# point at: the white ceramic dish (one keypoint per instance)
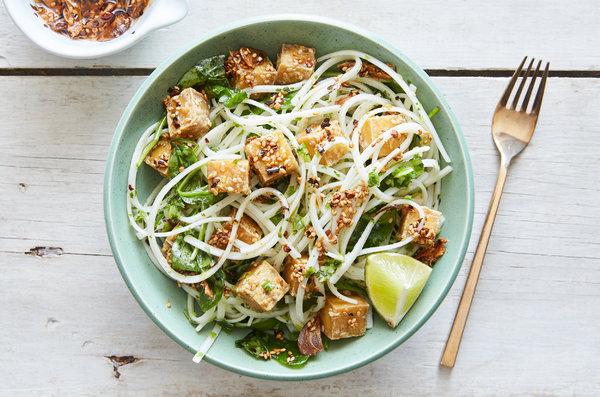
(158, 14)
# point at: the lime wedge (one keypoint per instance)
(394, 282)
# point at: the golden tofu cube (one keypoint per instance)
(249, 67)
(316, 136)
(228, 176)
(261, 286)
(431, 226)
(377, 125)
(294, 63)
(341, 319)
(248, 230)
(271, 157)
(187, 114)
(293, 274)
(159, 156)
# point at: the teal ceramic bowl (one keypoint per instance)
(152, 290)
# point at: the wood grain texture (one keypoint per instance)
(533, 327)
(437, 34)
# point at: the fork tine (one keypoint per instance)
(537, 104)
(511, 84)
(522, 85)
(530, 88)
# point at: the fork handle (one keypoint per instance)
(453, 342)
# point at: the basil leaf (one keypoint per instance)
(207, 71)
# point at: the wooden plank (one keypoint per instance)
(436, 34)
(533, 327)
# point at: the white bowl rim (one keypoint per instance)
(89, 49)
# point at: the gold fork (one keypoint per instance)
(512, 129)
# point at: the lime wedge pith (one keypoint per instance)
(394, 282)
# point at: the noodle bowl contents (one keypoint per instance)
(282, 183)
(99, 20)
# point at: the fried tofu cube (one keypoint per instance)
(367, 69)
(294, 63)
(375, 126)
(293, 274)
(431, 226)
(342, 319)
(228, 176)
(248, 232)
(316, 136)
(187, 114)
(261, 286)
(159, 156)
(249, 67)
(271, 157)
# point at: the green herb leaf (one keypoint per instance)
(297, 223)
(405, 173)
(380, 234)
(433, 112)
(230, 97)
(183, 155)
(185, 257)
(261, 345)
(345, 284)
(207, 71)
(302, 151)
(155, 139)
(268, 286)
(373, 179)
(234, 269)
(193, 190)
(209, 297)
(327, 269)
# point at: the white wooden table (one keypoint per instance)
(534, 327)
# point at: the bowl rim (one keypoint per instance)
(119, 130)
(85, 49)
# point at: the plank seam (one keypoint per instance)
(147, 71)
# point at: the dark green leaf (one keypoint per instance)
(183, 257)
(207, 71)
(230, 97)
(259, 344)
(209, 297)
(345, 284)
(193, 190)
(380, 234)
(183, 154)
(234, 269)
